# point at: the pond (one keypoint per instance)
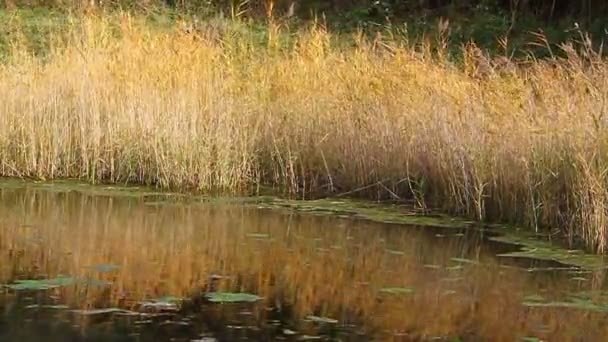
(98, 267)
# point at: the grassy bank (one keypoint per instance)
(217, 107)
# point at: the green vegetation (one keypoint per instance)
(53, 283)
(230, 297)
(587, 301)
(43, 284)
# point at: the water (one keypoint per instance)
(121, 269)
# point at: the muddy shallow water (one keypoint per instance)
(97, 268)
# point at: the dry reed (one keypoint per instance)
(203, 110)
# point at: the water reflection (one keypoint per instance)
(381, 282)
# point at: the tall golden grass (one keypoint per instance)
(208, 110)
(307, 265)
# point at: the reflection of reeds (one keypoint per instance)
(311, 265)
(115, 101)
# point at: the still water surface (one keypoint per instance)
(106, 268)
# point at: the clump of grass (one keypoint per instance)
(210, 108)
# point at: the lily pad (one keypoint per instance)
(42, 284)
(232, 297)
(47, 284)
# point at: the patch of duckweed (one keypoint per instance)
(232, 297)
(533, 247)
(65, 186)
(383, 213)
(580, 301)
(583, 305)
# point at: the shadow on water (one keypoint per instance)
(99, 268)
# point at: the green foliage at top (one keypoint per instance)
(494, 26)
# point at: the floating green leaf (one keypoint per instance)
(43, 284)
(231, 297)
(47, 284)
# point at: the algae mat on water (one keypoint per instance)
(359, 209)
(533, 247)
(65, 186)
(530, 246)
